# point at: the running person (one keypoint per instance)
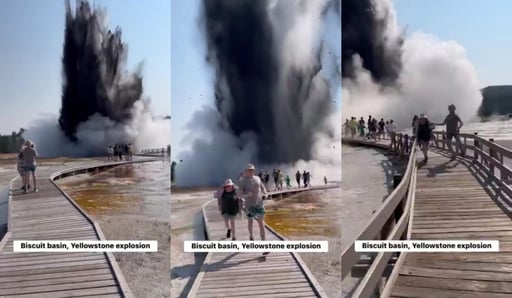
(288, 182)
(297, 178)
(453, 126)
(253, 191)
(229, 206)
(424, 133)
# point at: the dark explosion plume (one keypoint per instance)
(254, 92)
(94, 78)
(364, 34)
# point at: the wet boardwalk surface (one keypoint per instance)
(49, 215)
(251, 274)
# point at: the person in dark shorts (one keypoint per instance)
(453, 126)
(423, 134)
(229, 206)
(382, 131)
(297, 178)
(29, 164)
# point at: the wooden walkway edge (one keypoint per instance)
(467, 198)
(250, 274)
(51, 214)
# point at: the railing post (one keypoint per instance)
(476, 145)
(444, 140)
(492, 154)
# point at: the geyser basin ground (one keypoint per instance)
(131, 202)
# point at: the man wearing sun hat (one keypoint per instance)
(253, 190)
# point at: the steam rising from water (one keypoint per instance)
(102, 103)
(421, 75)
(276, 73)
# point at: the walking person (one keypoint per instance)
(280, 180)
(382, 126)
(297, 178)
(361, 127)
(253, 191)
(130, 151)
(453, 126)
(346, 127)
(304, 178)
(275, 175)
(288, 182)
(424, 133)
(229, 206)
(116, 154)
(325, 180)
(110, 153)
(414, 124)
(29, 164)
(21, 170)
(353, 127)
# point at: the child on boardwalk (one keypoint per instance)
(288, 182)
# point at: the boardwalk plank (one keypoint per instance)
(249, 274)
(48, 215)
(449, 207)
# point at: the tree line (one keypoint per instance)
(12, 143)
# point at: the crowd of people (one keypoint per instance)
(27, 165)
(422, 130)
(116, 152)
(371, 129)
(248, 197)
(279, 178)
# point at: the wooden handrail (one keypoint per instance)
(384, 223)
(487, 155)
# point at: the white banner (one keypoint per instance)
(85, 246)
(428, 246)
(256, 246)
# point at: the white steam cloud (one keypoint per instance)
(434, 74)
(143, 131)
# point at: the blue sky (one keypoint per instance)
(481, 27)
(192, 78)
(31, 38)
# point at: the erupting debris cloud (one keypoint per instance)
(392, 76)
(275, 81)
(102, 103)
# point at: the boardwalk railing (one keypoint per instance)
(393, 220)
(486, 155)
(390, 222)
(153, 151)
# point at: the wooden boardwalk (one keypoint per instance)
(251, 274)
(451, 200)
(49, 215)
